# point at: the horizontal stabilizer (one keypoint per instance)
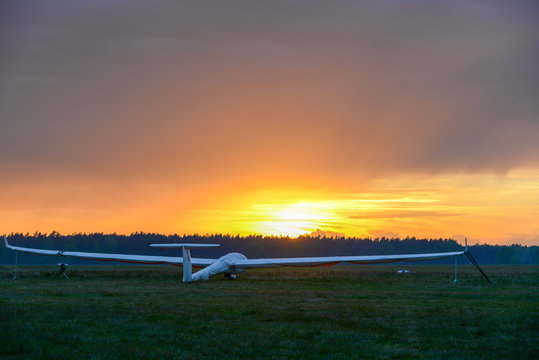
(187, 246)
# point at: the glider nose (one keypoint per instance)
(224, 264)
(215, 268)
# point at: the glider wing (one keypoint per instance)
(334, 260)
(127, 258)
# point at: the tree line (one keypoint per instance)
(255, 246)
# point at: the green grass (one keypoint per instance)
(341, 312)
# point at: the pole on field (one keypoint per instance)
(455, 281)
(15, 276)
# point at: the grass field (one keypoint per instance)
(119, 312)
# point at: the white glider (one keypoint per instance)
(232, 264)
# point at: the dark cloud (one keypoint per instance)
(187, 92)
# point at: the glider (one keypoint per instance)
(232, 264)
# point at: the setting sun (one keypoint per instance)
(292, 219)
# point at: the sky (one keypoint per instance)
(358, 118)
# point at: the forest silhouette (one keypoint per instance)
(258, 246)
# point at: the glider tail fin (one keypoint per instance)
(186, 254)
(187, 265)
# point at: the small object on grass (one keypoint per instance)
(403, 271)
(63, 269)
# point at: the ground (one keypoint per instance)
(344, 312)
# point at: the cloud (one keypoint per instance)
(353, 88)
(325, 233)
(525, 240)
(400, 214)
(385, 234)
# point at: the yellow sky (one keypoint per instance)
(501, 208)
(486, 208)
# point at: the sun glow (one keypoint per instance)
(293, 219)
(301, 211)
(484, 208)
